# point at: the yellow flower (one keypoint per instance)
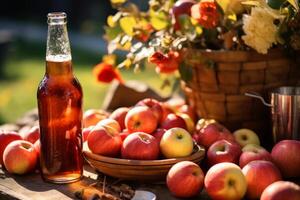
(259, 29)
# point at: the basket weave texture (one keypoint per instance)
(217, 89)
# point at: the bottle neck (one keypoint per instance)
(58, 53)
(59, 68)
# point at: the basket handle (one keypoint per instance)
(255, 95)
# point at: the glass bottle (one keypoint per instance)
(59, 99)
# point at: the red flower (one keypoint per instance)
(206, 13)
(105, 72)
(165, 63)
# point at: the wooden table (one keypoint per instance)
(32, 187)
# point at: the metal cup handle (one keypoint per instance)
(255, 95)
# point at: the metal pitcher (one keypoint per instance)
(285, 110)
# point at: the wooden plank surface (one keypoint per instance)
(32, 187)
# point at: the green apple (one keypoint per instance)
(246, 136)
(176, 142)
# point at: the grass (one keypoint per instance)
(25, 67)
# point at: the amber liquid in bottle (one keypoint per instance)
(59, 98)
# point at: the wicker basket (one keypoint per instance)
(220, 79)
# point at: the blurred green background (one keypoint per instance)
(25, 66)
(23, 33)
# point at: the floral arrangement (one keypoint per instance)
(168, 26)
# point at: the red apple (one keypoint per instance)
(102, 142)
(259, 175)
(252, 152)
(37, 147)
(85, 132)
(223, 151)
(195, 137)
(211, 133)
(186, 109)
(140, 146)
(176, 142)
(110, 125)
(225, 181)
(227, 136)
(154, 106)
(119, 115)
(165, 113)
(124, 134)
(286, 156)
(140, 119)
(92, 116)
(32, 135)
(185, 179)
(158, 133)
(281, 190)
(20, 157)
(6, 138)
(173, 121)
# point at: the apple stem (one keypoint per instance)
(244, 137)
(222, 148)
(179, 136)
(26, 146)
(195, 173)
(231, 182)
(137, 124)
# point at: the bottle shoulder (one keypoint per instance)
(50, 86)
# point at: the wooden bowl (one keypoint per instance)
(141, 170)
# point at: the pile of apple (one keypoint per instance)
(238, 166)
(150, 130)
(19, 151)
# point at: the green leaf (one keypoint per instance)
(112, 32)
(127, 24)
(187, 27)
(186, 72)
(159, 20)
(185, 22)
